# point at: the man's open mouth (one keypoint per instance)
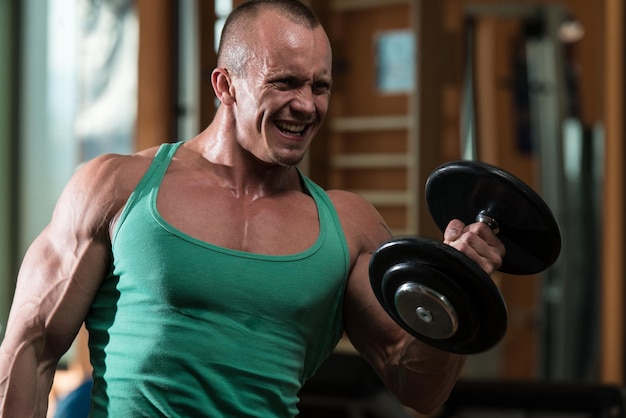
(290, 128)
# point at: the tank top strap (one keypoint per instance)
(328, 216)
(161, 161)
(150, 180)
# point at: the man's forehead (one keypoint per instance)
(277, 23)
(280, 38)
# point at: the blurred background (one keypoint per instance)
(533, 86)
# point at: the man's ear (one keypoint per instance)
(222, 86)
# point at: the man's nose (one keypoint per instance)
(304, 101)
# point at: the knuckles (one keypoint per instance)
(487, 254)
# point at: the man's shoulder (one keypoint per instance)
(109, 178)
(109, 170)
(347, 198)
(352, 205)
(363, 225)
(117, 167)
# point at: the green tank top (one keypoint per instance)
(183, 328)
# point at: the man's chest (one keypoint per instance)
(280, 224)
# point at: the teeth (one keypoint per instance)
(291, 127)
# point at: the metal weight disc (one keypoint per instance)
(425, 310)
(438, 294)
(454, 324)
(527, 227)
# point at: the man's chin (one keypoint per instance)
(288, 160)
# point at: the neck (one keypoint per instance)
(237, 169)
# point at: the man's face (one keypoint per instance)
(283, 97)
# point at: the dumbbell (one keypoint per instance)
(437, 293)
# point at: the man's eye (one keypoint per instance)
(283, 83)
(321, 88)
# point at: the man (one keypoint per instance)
(212, 276)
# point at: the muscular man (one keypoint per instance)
(213, 277)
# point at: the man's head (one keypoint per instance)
(274, 78)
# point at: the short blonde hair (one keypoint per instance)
(232, 52)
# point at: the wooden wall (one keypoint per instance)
(613, 73)
(601, 77)
(157, 62)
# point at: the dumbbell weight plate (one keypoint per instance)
(527, 227)
(410, 273)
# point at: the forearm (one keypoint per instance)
(420, 376)
(24, 383)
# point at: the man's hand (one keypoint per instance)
(478, 242)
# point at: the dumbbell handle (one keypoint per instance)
(485, 218)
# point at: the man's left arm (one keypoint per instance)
(419, 375)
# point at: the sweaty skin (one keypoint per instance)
(234, 185)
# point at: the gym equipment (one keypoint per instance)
(437, 293)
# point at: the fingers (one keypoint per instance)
(478, 242)
(453, 231)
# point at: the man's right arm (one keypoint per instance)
(60, 274)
